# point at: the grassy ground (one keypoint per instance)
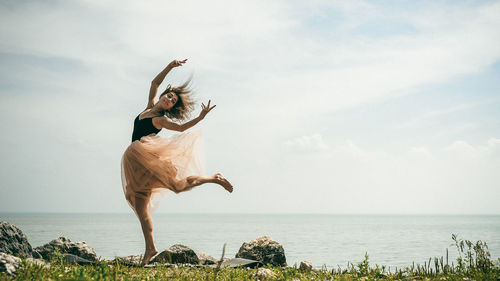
(474, 263)
(104, 271)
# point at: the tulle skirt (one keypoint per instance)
(154, 166)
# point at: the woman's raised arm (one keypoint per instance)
(168, 124)
(159, 79)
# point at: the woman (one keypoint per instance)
(152, 165)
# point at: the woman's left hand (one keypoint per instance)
(176, 63)
(205, 109)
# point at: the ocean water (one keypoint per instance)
(325, 240)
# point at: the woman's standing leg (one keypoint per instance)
(141, 207)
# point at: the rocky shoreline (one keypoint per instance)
(14, 246)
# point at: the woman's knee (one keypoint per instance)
(178, 186)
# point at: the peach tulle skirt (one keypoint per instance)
(154, 166)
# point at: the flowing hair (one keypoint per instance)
(185, 101)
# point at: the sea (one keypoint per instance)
(327, 241)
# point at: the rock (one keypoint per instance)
(36, 255)
(262, 274)
(305, 266)
(168, 265)
(65, 246)
(235, 262)
(205, 259)
(38, 262)
(130, 260)
(8, 263)
(13, 241)
(263, 249)
(177, 254)
(76, 259)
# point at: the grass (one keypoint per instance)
(474, 263)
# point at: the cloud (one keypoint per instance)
(267, 40)
(347, 178)
(462, 148)
(75, 74)
(433, 114)
(313, 142)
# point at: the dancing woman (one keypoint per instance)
(152, 164)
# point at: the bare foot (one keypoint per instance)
(148, 255)
(219, 179)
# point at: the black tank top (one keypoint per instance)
(143, 127)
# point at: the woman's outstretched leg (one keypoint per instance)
(192, 181)
(141, 207)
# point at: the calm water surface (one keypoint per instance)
(331, 240)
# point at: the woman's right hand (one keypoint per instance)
(205, 109)
(176, 63)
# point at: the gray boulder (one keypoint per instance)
(205, 259)
(177, 254)
(305, 266)
(132, 260)
(65, 246)
(13, 241)
(38, 262)
(262, 274)
(263, 249)
(9, 264)
(76, 259)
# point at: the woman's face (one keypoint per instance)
(168, 100)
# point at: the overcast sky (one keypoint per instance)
(344, 107)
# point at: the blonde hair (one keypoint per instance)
(185, 101)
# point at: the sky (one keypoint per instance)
(338, 107)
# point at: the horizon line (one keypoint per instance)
(249, 213)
